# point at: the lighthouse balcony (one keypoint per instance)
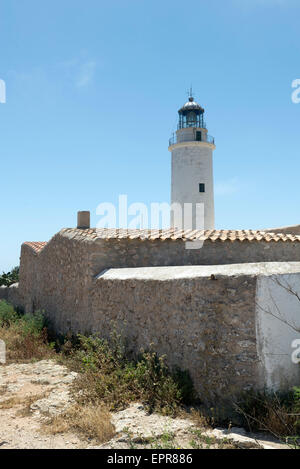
(196, 136)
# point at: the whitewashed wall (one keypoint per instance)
(192, 164)
(278, 325)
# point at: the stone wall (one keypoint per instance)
(202, 324)
(3, 293)
(11, 295)
(195, 306)
(232, 327)
(59, 278)
(29, 283)
(137, 253)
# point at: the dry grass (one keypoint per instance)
(25, 401)
(198, 417)
(28, 400)
(89, 421)
(273, 413)
(25, 336)
(11, 402)
(22, 348)
(3, 389)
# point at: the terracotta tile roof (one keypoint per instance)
(171, 234)
(37, 246)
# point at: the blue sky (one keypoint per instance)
(93, 90)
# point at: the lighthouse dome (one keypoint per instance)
(190, 105)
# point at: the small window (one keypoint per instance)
(199, 136)
(201, 187)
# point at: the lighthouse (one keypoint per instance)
(192, 187)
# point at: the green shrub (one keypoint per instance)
(7, 314)
(109, 376)
(296, 406)
(28, 323)
(25, 336)
(33, 323)
(277, 413)
(9, 278)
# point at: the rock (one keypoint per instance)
(245, 440)
(57, 402)
(142, 426)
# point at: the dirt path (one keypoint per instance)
(28, 392)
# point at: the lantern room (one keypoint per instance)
(191, 115)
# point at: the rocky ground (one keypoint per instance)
(30, 394)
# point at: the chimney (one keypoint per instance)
(83, 220)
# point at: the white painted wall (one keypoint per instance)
(277, 326)
(192, 164)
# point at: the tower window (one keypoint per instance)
(199, 136)
(201, 187)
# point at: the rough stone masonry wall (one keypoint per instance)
(56, 281)
(104, 254)
(232, 327)
(11, 294)
(201, 325)
(28, 279)
(59, 279)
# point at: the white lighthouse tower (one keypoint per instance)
(192, 170)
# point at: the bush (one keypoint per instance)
(7, 314)
(109, 376)
(28, 323)
(9, 278)
(25, 336)
(276, 413)
(33, 324)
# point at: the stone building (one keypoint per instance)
(218, 311)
